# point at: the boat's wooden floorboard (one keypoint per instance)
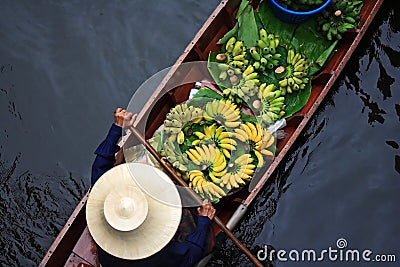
(85, 251)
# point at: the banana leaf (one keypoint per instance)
(232, 32)
(248, 30)
(247, 118)
(203, 96)
(323, 58)
(205, 92)
(296, 100)
(243, 5)
(246, 26)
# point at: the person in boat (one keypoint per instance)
(190, 242)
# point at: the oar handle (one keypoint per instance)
(183, 183)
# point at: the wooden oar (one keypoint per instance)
(182, 182)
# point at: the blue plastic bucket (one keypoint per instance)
(294, 17)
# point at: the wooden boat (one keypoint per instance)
(74, 244)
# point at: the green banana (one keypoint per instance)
(339, 17)
(291, 76)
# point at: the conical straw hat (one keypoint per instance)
(131, 219)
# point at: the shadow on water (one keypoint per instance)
(341, 179)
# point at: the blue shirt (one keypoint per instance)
(176, 254)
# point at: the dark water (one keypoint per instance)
(66, 65)
(342, 179)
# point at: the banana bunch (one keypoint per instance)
(293, 77)
(205, 188)
(339, 17)
(245, 88)
(264, 54)
(302, 5)
(217, 136)
(174, 156)
(233, 59)
(178, 118)
(223, 112)
(228, 75)
(238, 172)
(257, 139)
(270, 104)
(211, 162)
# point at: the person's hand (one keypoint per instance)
(206, 209)
(124, 119)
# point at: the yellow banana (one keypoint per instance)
(237, 49)
(232, 181)
(192, 157)
(239, 180)
(215, 179)
(228, 146)
(232, 124)
(199, 135)
(253, 130)
(181, 137)
(219, 169)
(226, 153)
(259, 158)
(195, 153)
(196, 142)
(206, 153)
(196, 180)
(224, 135)
(241, 135)
(267, 152)
(218, 132)
(249, 70)
(228, 141)
(219, 190)
(259, 133)
(248, 131)
(270, 141)
(243, 159)
(232, 116)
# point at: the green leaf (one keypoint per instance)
(247, 118)
(205, 92)
(243, 5)
(229, 34)
(296, 100)
(323, 58)
(248, 31)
